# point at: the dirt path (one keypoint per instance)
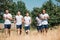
(51, 35)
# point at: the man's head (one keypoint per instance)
(38, 15)
(18, 13)
(27, 14)
(43, 11)
(7, 11)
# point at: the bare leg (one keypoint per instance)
(43, 31)
(19, 31)
(46, 30)
(40, 31)
(27, 31)
(9, 31)
(6, 31)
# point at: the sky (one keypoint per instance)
(30, 4)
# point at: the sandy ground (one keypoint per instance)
(33, 35)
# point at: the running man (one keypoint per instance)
(18, 21)
(7, 24)
(44, 16)
(27, 22)
(38, 19)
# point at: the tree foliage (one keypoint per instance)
(58, 0)
(52, 9)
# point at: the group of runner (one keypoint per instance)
(42, 22)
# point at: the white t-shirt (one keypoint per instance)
(27, 20)
(19, 19)
(7, 21)
(38, 21)
(45, 21)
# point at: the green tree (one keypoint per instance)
(21, 6)
(51, 9)
(4, 4)
(58, 0)
(34, 14)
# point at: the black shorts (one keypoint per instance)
(45, 26)
(8, 26)
(19, 26)
(39, 27)
(27, 28)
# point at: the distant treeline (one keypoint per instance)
(52, 9)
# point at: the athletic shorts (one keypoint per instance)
(39, 28)
(8, 26)
(27, 28)
(44, 26)
(19, 26)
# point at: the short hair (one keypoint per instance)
(6, 9)
(18, 11)
(42, 10)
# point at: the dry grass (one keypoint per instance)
(51, 35)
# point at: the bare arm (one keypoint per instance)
(48, 17)
(4, 18)
(14, 20)
(9, 18)
(22, 20)
(30, 21)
